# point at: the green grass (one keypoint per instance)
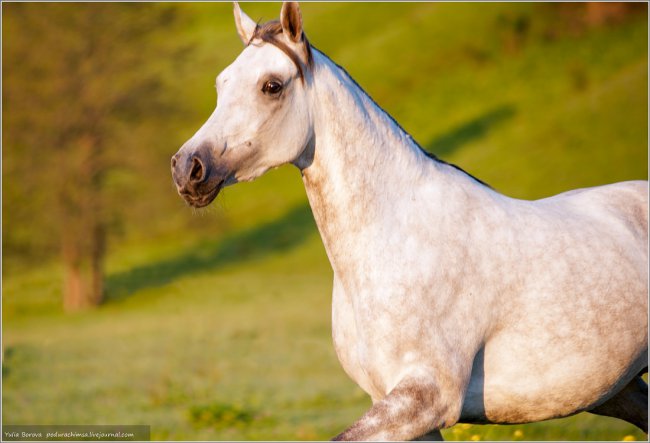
(227, 337)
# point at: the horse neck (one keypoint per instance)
(349, 125)
(361, 161)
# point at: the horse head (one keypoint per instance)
(262, 119)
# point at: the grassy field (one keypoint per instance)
(227, 337)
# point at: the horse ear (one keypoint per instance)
(245, 25)
(291, 20)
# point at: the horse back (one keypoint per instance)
(623, 205)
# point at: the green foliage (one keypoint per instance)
(221, 415)
(227, 310)
(88, 86)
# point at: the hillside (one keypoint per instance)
(223, 332)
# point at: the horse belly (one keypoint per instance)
(517, 382)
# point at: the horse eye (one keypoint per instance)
(272, 87)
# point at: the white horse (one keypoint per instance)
(451, 302)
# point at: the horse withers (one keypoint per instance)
(451, 302)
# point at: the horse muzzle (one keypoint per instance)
(196, 178)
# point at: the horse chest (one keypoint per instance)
(348, 343)
(374, 340)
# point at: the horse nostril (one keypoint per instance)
(198, 171)
(174, 160)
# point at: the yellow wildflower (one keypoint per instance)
(518, 433)
(629, 438)
(475, 437)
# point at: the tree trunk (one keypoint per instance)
(83, 234)
(84, 277)
(73, 291)
(97, 289)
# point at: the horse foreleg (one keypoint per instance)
(415, 408)
(630, 404)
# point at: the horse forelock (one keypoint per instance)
(269, 32)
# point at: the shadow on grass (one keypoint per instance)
(471, 130)
(278, 235)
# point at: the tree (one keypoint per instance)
(83, 85)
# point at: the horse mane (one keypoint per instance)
(428, 154)
(269, 32)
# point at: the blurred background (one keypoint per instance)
(122, 305)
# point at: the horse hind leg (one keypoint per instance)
(630, 404)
